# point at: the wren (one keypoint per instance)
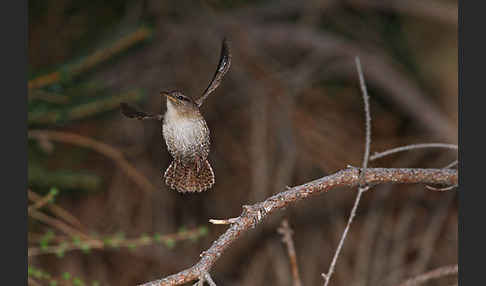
(186, 133)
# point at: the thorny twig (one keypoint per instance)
(254, 214)
(287, 233)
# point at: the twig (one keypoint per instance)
(32, 282)
(441, 189)
(205, 277)
(412, 147)
(39, 203)
(434, 274)
(115, 242)
(366, 100)
(57, 224)
(428, 244)
(223, 221)
(287, 233)
(208, 279)
(400, 229)
(58, 211)
(382, 71)
(362, 187)
(452, 164)
(253, 214)
(94, 59)
(102, 148)
(372, 222)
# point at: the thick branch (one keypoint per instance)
(254, 214)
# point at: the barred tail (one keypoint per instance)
(192, 177)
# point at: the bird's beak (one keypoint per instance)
(169, 96)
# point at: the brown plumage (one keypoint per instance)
(186, 133)
(186, 177)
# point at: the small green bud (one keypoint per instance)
(132, 246)
(77, 282)
(145, 238)
(170, 243)
(203, 230)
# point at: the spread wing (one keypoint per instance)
(132, 112)
(223, 67)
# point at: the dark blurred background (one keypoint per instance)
(289, 111)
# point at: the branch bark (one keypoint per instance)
(254, 214)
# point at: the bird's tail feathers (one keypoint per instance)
(189, 177)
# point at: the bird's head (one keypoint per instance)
(179, 102)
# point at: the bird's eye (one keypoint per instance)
(180, 97)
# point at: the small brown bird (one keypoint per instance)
(186, 133)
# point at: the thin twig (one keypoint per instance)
(94, 59)
(382, 71)
(223, 221)
(115, 242)
(102, 148)
(366, 100)
(32, 282)
(39, 203)
(372, 222)
(57, 224)
(400, 230)
(412, 147)
(58, 211)
(434, 274)
(254, 214)
(362, 187)
(441, 189)
(287, 233)
(428, 245)
(208, 279)
(452, 164)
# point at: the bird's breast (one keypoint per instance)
(186, 136)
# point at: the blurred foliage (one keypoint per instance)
(60, 97)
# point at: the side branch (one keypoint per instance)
(253, 214)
